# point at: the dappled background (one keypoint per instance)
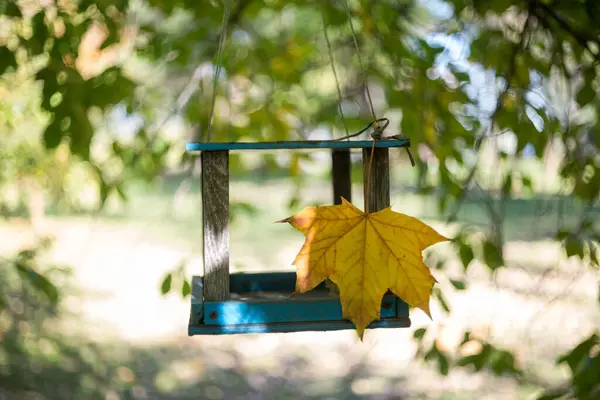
(102, 209)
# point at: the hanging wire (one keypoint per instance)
(378, 126)
(360, 62)
(337, 82)
(378, 129)
(218, 66)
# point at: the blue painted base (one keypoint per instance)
(263, 302)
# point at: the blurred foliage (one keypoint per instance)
(37, 360)
(479, 85)
(46, 352)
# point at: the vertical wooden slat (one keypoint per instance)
(341, 175)
(215, 216)
(379, 183)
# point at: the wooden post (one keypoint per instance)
(379, 182)
(215, 216)
(341, 175)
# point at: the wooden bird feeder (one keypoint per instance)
(224, 303)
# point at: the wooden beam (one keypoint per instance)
(215, 217)
(341, 175)
(378, 191)
(296, 145)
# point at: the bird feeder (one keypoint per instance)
(234, 303)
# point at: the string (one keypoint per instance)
(360, 62)
(378, 130)
(218, 67)
(375, 123)
(337, 82)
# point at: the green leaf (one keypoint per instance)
(104, 191)
(586, 381)
(109, 88)
(496, 6)
(574, 246)
(7, 59)
(40, 33)
(586, 95)
(81, 132)
(432, 353)
(51, 87)
(461, 76)
(113, 33)
(503, 362)
(47, 287)
(440, 297)
(419, 333)
(527, 183)
(492, 255)
(479, 360)
(594, 253)
(466, 255)
(576, 358)
(522, 70)
(186, 289)
(121, 191)
(11, 9)
(293, 202)
(53, 134)
(443, 363)
(38, 281)
(507, 185)
(165, 286)
(458, 284)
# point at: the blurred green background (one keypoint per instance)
(101, 228)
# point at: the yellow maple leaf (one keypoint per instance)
(365, 255)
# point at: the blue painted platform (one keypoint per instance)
(263, 303)
(296, 145)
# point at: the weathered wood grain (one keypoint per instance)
(215, 216)
(379, 182)
(341, 175)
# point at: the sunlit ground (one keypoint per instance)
(541, 306)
